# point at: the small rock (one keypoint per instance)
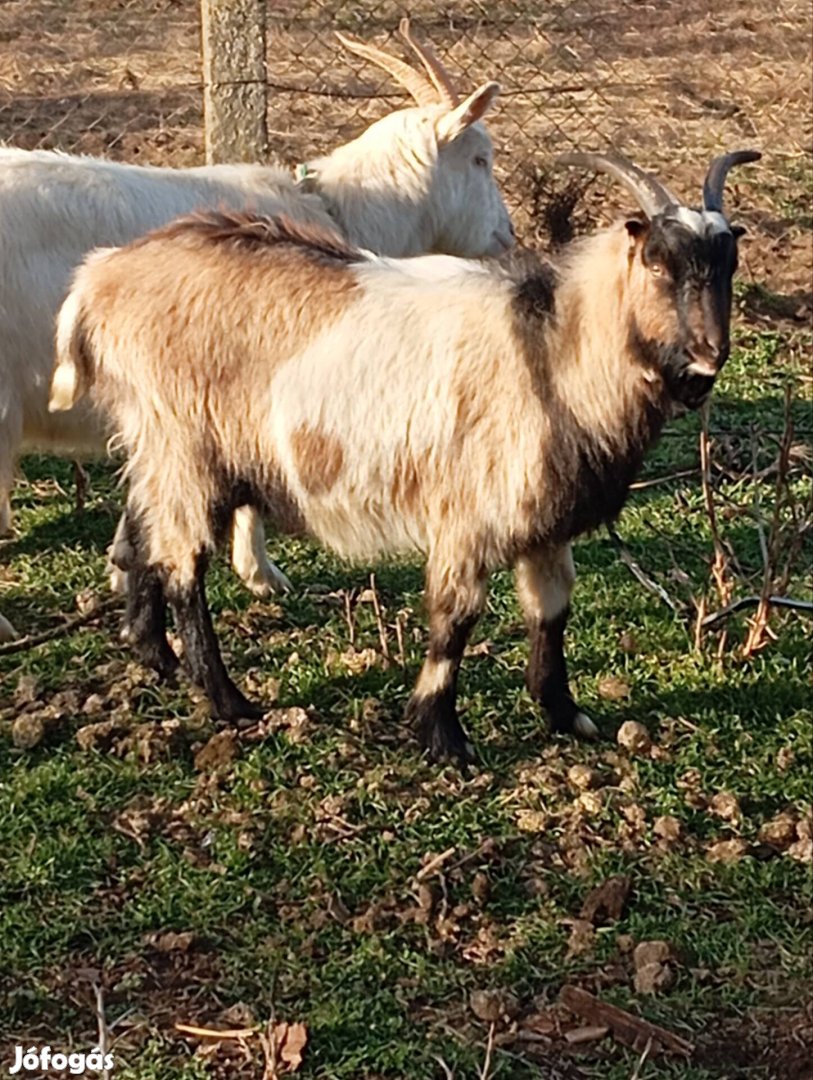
(653, 978)
(634, 737)
(582, 777)
(27, 731)
(668, 828)
(780, 831)
(612, 688)
(726, 851)
(491, 1006)
(724, 805)
(651, 952)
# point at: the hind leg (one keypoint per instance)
(545, 581)
(249, 558)
(145, 621)
(10, 438)
(201, 650)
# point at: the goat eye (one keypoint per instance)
(481, 161)
(657, 269)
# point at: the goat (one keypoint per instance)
(418, 180)
(386, 406)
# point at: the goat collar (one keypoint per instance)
(307, 178)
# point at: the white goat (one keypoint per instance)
(388, 406)
(418, 180)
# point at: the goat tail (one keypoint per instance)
(75, 370)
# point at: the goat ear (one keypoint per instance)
(636, 228)
(468, 112)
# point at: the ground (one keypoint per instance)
(285, 873)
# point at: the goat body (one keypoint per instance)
(383, 407)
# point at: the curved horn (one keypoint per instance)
(651, 195)
(418, 86)
(718, 170)
(440, 77)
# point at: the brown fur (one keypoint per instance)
(319, 458)
(252, 232)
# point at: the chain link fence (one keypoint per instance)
(669, 83)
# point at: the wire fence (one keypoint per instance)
(670, 83)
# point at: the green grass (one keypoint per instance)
(273, 862)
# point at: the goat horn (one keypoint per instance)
(718, 170)
(651, 195)
(440, 77)
(418, 86)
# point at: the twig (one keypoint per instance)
(719, 566)
(399, 637)
(213, 1033)
(348, 614)
(104, 1031)
(65, 628)
(683, 474)
(435, 864)
(805, 606)
(627, 558)
(642, 1061)
(758, 627)
(631, 1030)
(447, 1072)
(382, 632)
(486, 1070)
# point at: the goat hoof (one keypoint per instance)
(235, 709)
(439, 732)
(567, 719)
(152, 654)
(268, 580)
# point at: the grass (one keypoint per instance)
(293, 865)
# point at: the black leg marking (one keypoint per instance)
(202, 653)
(145, 620)
(433, 711)
(546, 676)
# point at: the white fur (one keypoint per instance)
(404, 187)
(702, 221)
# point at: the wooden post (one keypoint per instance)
(234, 80)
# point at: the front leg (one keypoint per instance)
(545, 580)
(432, 708)
(249, 558)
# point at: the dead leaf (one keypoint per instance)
(654, 978)
(491, 1006)
(582, 777)
(780, 831)
(606, 902)
(169, 941)
(651, 952)
(613, 688)
(582, 936)
(725, 805)
(27, 691)
(101, 736)
(219, 752)
(290, 1041)
(532, 820)
(668, 828)
(726, 851)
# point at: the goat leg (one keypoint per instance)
(202, 657)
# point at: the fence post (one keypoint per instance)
(234, 80)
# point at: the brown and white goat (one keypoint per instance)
(389, 406)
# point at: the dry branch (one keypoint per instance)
(626, 1028)
(628, 559)
(65, 628)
